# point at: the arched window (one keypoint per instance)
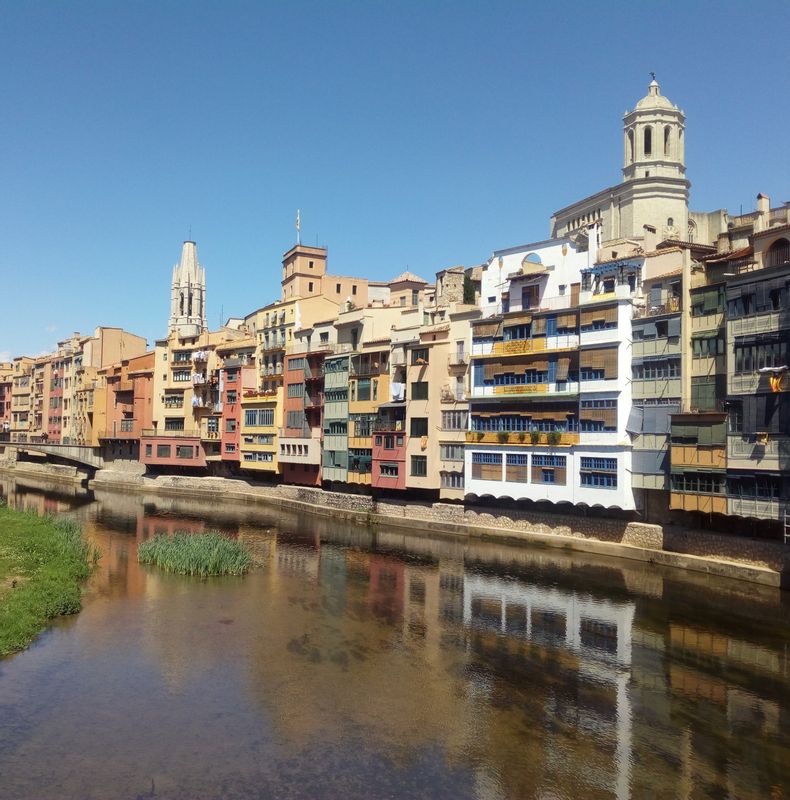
(189, 311)
(630, 147)
(182, 304)
(778, 253)
(667, 131)
(670, 222)
(648, 141)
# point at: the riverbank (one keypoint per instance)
(759, 561)
(43, 562)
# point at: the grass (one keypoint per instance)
(202, 554)
(43, 562)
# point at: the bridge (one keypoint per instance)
(75, 453)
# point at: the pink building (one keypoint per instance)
(389, 447)
(128, 403)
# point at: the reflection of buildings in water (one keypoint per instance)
(598, 634)
(298, 558)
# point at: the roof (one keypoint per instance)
(408, 277)
(731, 255)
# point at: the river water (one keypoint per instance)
(388, 664)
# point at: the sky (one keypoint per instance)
(411, 135)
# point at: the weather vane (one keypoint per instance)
(653, 75)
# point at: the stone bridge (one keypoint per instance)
(83, 455)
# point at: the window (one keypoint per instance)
(363, 389)
(148, 450)
(181, 376)
(667, 130)
(648, 141)
(257, 417)
(487, 466)
(295, 390)
(452, 480)
(231, 374)
(454, 420)
(419, 426)
(599, 473)
(451, 452)
(309, 286)
(184, 451)
(354, 289)
(163, 451)
(419, 466)
(337, 288)
(174, 423)
(181, 356)
(419, 356)
(360, 460)
(296, 363)
(419, 390)
(212, 424)
(231, 396)
(310, 264)
(230, 425)
(415, 297)
(388, 470)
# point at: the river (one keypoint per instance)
(360, 663)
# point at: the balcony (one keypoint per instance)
(529, 438)
(314, 401)
(760, 322)
(123, 429)
(758, 451)
(150, 433)
(199, 380)
(457, 359)
(759, 508)
(704, 456)
(238, 361)
(527, 390)
(211, 436)
(671, 306)
(388, 426)
(199, 356)
(692, 501)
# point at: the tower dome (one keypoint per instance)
(654, 138)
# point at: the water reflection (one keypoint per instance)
(368, 663)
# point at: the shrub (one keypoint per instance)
(203, 554)
(534, 436)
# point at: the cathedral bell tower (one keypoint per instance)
(188, 294)
(653, 133)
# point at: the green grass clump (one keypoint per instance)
(202, 554)
(43, 561)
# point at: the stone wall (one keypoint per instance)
(730, 556)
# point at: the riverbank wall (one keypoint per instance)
(742, 558)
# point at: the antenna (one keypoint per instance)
(221, 314)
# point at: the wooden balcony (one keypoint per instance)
(524, 438)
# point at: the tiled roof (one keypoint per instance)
(408, 276)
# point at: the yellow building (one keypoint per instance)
(261, 415)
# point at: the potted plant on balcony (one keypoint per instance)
(502, 436)
(554, 438)
(480, 435)
(521, 436)
(534, 436)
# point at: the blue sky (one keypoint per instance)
(411, 135)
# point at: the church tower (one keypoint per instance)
(653, 132)
(188, 294)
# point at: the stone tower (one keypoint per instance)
(188, 294)
(653, 132)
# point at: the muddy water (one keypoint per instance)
(378, 664)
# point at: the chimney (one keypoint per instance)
(763, 207)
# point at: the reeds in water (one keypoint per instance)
(203, 554)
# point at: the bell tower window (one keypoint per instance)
(630, 147)
(667, 131)
(648, 141)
